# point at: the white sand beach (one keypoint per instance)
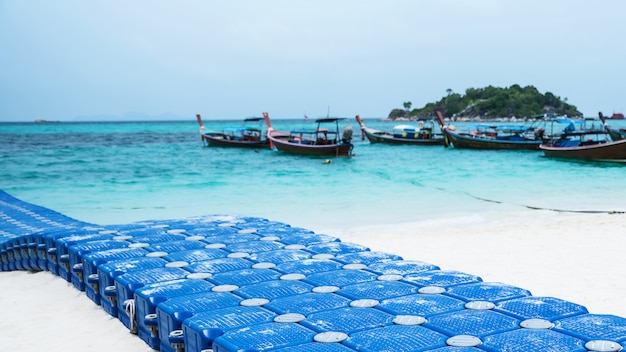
(577, 257)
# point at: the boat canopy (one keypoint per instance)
(239, 129)
(329, 119)
(234, 129)
(407, 128)
(304, 131)
(513, 128)
(506, 128)
(566, 120)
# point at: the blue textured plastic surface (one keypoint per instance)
(196, 254)
(229, 236)
(63, 243)
(336, 248)
(32, 253)
(245, 276)
(22, 218)
(57, 257)
(306, 238)
(340, 278)
(593, 327)
(401, 267)
(274, 289)
(148, 297)
(308, 266)
(396, 338)
(533, 307)
(308, 303)
(49, 239)
(219, 265)
(152, 236)
(23, 249)
(455, 349)
(316, 347)
(486, 291)
(91, 262)
(443, 278)
(348, 320)
(175, 246)
(525, 340)
(163, 275)
(377, 290)
(477, 323)
(267, 227)
(173, 312)
(202, 329)
(280, 256)
(108, 272)
(420, 304)
(254, 246)
(127, 284)
(367, 258)
(263, 337)
(76, 253)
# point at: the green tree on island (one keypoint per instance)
(492, 102)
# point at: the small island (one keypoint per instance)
(514, 103)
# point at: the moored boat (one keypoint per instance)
(321, 141)
(422, 134)
(248, 135)
(515, 137)
(585, 143)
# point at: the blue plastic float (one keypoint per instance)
(228, 284)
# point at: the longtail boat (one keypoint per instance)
(514, 137)
(585, 143)
(321, 140)
(422, 134)
(248, 135)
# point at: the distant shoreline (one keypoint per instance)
(471, 119)
(496, 119)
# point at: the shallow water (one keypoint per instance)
(109, 173)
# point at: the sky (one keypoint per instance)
(73, 59)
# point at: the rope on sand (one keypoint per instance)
(129, 307)
(551, 209)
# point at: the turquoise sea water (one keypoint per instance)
(111, 172)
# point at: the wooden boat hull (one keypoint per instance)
(282, 143)
(467, 141)
(376, 136)
(219, 140)
(610, 151)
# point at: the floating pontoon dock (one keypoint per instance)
(227, 284)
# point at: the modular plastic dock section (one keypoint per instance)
(228, 284)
